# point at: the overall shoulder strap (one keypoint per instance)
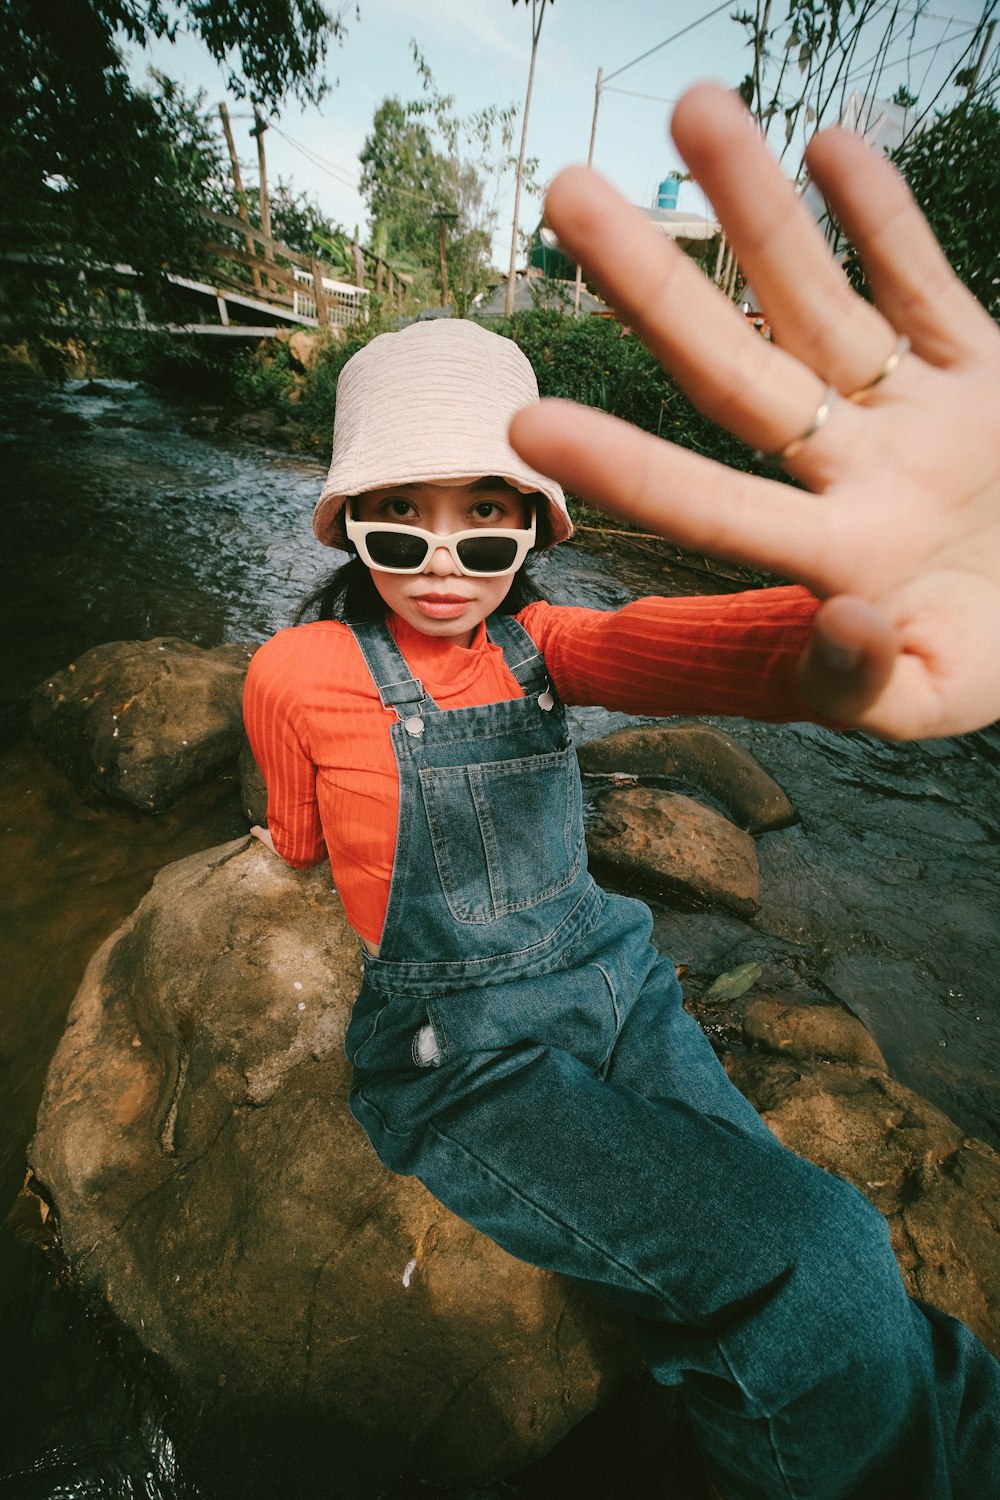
(398, 689)
(524, 660)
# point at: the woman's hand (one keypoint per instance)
(265, 836)
(901, 533)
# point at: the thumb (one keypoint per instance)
(849, 659)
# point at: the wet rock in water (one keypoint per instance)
(69, 422)
(254, 423)
(144, 722)
(702, 756)
(811, 1031)
(204, 424)
(209, 1182)
(834, 1103)
(96, 388)
(645, 840)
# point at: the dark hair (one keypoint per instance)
(349, 593)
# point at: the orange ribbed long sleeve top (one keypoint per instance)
(321, 736)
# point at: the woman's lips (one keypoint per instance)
(441, 606)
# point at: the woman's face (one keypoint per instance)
(441, 601)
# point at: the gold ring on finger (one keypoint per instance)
(820, 418)
(899, 350)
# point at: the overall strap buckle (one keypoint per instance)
(397, 689)
(406, 699)
(525, 662)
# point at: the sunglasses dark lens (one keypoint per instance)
(393, 549)
(488, 554)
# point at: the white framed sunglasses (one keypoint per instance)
(483, 552)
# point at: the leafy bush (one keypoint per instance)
(598, 363)
(953, 169)
(591, 360)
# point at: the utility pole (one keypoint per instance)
(970, 86)
(536, 31)
(442, 215)
(590, 163)
(265, 206)
(241, 197)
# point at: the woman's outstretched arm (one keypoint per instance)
(901, 534)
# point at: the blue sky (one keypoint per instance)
(479, 50)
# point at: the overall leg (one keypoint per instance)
(662, 1052)
(768, 1287)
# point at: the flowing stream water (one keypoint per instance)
(123, 518)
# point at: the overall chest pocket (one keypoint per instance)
(507, 834)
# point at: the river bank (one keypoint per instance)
(124, 520)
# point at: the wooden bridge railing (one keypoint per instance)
(303, 283)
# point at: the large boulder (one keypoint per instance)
(818, 1079)
(144, 722)
(210, 1185)
(701, 757)
(648, 841)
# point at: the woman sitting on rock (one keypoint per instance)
(517, 1043)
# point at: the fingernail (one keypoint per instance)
(838, 656)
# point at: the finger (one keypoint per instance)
(756, 390)
(911, 280)
(681, 495)
(850, 658)
(812, 310)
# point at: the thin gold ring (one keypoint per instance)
(820, 418)
(899, 350)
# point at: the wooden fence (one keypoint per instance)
(300, 283)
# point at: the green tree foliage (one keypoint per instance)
(953, 169)
(403, 183)
(95, 171)
(809, 57)
(420, 163)
(590, 360)
(297, 221)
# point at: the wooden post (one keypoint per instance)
(379, 276)
(265, 204)
(359, 261)
(536, 31)
(241, 197)
(441, 215)
(322, 311)
(590, 163)
(723, 246)
(443, 257)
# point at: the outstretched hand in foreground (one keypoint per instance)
(900, 535)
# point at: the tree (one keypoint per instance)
(425, 175)
(403, 183)
(90, 165)
(808, 63)
(296, 219)
(953, 169)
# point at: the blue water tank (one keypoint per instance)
(666, 193)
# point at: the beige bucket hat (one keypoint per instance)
(431, 404)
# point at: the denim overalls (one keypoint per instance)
(521, 1048)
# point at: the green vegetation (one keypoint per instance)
(430, 177)
(591, 360)
(953, 169)
(96, 171)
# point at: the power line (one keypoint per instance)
(660, 45)
(337, 173)
(326, 166)
(632, 94)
